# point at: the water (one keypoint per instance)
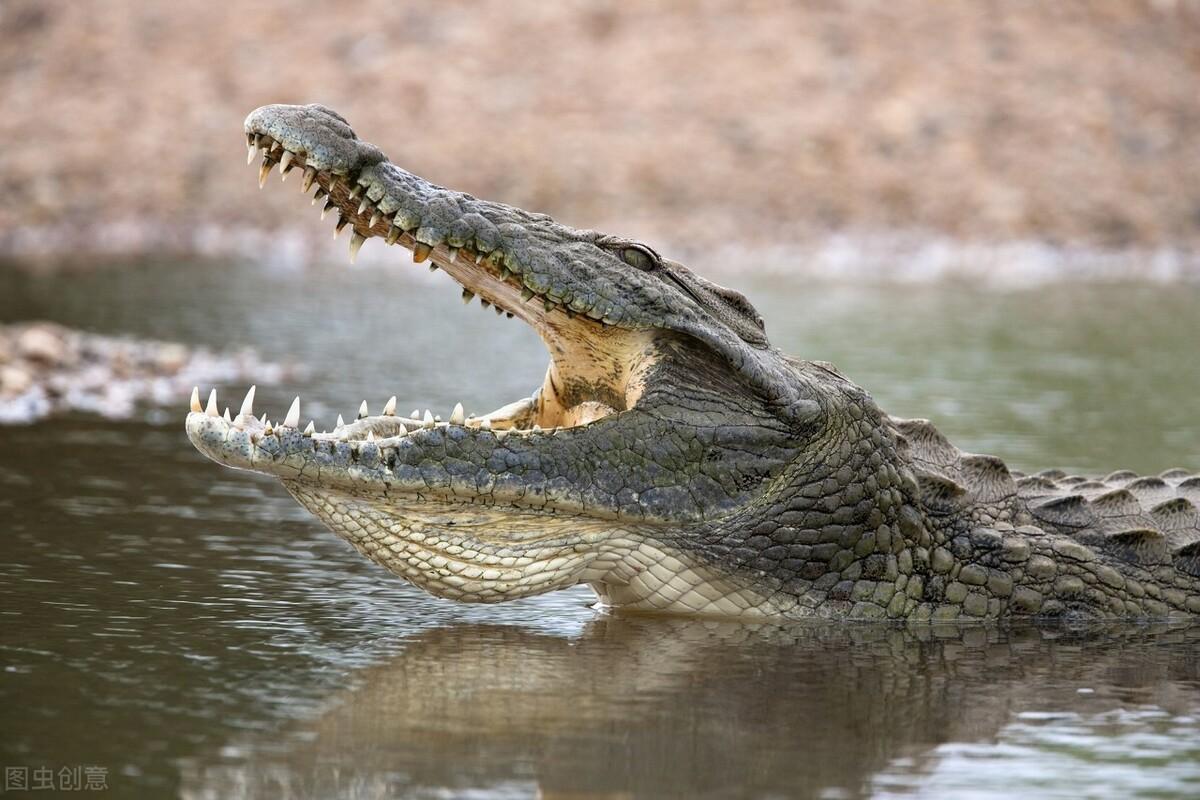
(193, 632)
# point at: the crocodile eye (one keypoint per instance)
(639, 257)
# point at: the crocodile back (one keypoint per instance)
(1152, 521)
(1146, 520)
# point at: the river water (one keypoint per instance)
(190, 631)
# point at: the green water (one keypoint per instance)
(193, 632)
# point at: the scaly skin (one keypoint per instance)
(672, 459)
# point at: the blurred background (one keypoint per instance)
(758, 125)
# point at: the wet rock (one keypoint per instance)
(48, 369)
(42, 343)
(14, 381)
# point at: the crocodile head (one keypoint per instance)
(662, 434)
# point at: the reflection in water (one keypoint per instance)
(667, 707)
(190, 627)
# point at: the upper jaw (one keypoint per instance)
(530, 265)
(485, 247)
(525, 263)
(492, 251)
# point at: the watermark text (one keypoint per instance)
(74, 778)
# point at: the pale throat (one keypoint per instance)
(593, 374)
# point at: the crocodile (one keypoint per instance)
(672, 459)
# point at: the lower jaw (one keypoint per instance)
(466, 551)
(459, 552)
(528, 415)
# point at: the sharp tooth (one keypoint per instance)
(483, 302)
(432, 267)
(389, 408)
(310, 175)
(468, 296)
(285, 164)
(311, 429)
(264, 171)
(329, 206)
(356, 241)
(258, 140)
(263, 418)
(428, 419)
(370, 436)
(498, 310)
(403, 431)
(251, 152)
(456, 416)
(421, 252)
(362, 409)
(355, 191)
(239, 423)
(226, 415)
(393, 234)
(248, 403)
(374, 219)
(211, 408)
(196, 407)
(478, 257)
(363, 206)
(453, 254)
(485, 423)
(292, 419)
(501, 433)
(527, 294)
(341, 223)
(505, 273)
(340, 423)
(317, 195)
(270, 429)
(276, 145)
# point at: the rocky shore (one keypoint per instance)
(47, 369)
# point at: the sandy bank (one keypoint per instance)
(697, 125)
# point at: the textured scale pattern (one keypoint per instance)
(1135, 537)
(1145, 520)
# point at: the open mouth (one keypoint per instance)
(597, 365)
